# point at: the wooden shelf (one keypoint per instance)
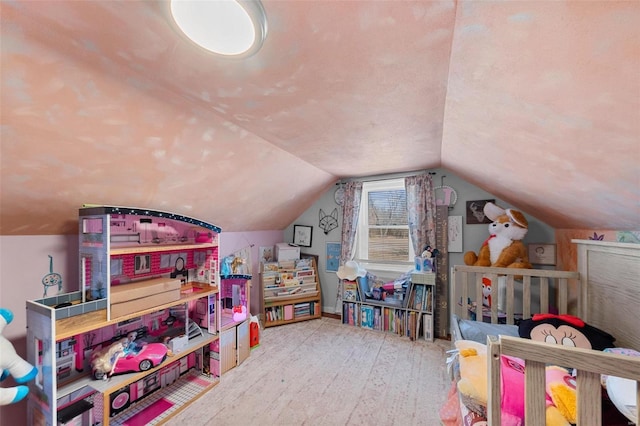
(289, 300)
(134, 249)
(72, 326)
(291, 321)
(272, 305)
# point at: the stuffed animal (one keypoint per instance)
(566, 330)
(12, 364)
(472, 386)
(504, 247)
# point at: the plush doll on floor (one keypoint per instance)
(12, 364)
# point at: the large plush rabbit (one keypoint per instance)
(504, 247)
(12, 364)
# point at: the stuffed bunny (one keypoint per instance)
(504, 247)
(12, 363)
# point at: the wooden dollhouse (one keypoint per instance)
(145, 271)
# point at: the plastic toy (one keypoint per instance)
(225, 267)
(239, 313)
(125, 356)
(12, 364)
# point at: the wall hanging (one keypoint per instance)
(328, 222)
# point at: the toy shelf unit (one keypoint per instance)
(148, 291)
(290, 291)
(407, 311)
(234, 344)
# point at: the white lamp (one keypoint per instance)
(235, 28)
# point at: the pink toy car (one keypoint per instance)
(125, 357)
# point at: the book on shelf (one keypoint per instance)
(350, 290)
(366, 319)
(428, 302)
(418, 296)
(288, 312)
(377, 318)
(270, 267)
(427, 327)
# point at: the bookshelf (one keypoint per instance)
(407, 311)
(290, 291)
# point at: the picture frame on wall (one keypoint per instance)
(475, 212)
(542, 253)
(333, 256)
(302, 235)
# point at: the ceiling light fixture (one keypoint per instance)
(235, 28)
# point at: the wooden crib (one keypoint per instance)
(605, 292)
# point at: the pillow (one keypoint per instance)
(478, 331)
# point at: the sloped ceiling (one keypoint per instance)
(104, 102)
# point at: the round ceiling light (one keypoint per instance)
(226, 27)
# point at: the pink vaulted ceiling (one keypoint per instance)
(104, 102)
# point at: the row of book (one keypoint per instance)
(399, 321)
(421, 298)
(290, 312)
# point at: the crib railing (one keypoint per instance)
(467, 285)
(590, 364)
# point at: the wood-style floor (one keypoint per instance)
(321, 372)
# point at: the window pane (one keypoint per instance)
(388, 244)
(387, 208)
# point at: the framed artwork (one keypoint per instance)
(302, 235)
(542, 254)
(333, 256)
(454, 234)
(475, 212)
(142, 264)
(266, 254)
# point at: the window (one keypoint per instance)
(383, 229)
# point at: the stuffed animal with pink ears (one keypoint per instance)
(12, 364)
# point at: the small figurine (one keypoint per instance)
(225, 268)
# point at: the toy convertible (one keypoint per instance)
(124, 357)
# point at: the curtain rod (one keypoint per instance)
(387, 176)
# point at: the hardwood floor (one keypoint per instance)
(321, 372)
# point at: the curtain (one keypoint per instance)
(350, 213)
(421, 211)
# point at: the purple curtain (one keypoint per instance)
(421, 210)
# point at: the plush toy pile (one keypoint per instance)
(472, 386)
(560, 384)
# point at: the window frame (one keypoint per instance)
(362, 232)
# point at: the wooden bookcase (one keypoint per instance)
(146, 271)
(406, 312)
(290, 292)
